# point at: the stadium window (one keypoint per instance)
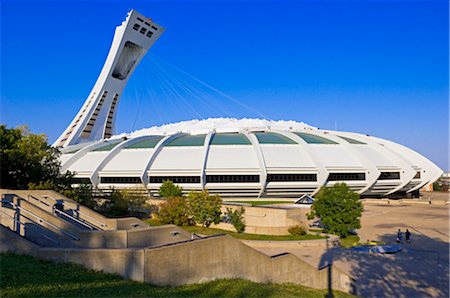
(291, 177)
(136, 27)
(143, 30)
(389, 176)
(121, 180)
(80, 180)
(232, 178)
(175, 179)
(346, 176)
(154, 28)
(149, 33)
(417, 176)
(139, 19)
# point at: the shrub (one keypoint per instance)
(297, 230)
(174, 211)
(338, 208)
(118, 203)
(205, 209)
(236, 218)
(168, 189)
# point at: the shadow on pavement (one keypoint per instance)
(421, 269)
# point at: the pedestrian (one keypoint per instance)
(399, 236)
(407, 236)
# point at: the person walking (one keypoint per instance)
(399, 236)
(407, 236)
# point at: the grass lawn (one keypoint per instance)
(24, 276)
(244, 236)
(349, 241)
(259, 203)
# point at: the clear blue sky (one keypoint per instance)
(377, 67)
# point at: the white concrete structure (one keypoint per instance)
(96, 118)
(246, 157)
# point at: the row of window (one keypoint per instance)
(291, 177)
(175, 179)
(121, 180)
(143, 30)
(230, 178)
(346, 176)
(389, 176)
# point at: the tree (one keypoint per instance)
(168, 189)
(339, 209)
(236, 218)
(174, 211)
(27, 158)
(205, 209)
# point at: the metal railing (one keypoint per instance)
(73, 218)
(96, 225)
(41, 220)
(16, 221)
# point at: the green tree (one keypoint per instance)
(174, 211)
(236, 218)
(339, 209)
(169, 189)
(118, 203)
(205, 209)
(27, 158)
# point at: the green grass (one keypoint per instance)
(349, 241)
(24, 276)
(245, 236)
(260, 203)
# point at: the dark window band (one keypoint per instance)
(389, 176)
(76, 180)
(346, 176)
(175, 179)
(291, 177)
(121, 180)
(231, 178)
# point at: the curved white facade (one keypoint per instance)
(249, 157)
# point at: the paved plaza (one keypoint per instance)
(420, 269)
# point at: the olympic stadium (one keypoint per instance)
(227, 156)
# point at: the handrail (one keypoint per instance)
(73, 218)
(30, 196)
(78, 211)
(90, 217)
(23, 224)
(48, 223)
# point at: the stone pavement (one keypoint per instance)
(420, 269)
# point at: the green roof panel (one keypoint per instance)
(187, 140)
(273, 138)
(230, 139)
(146, 143)
(107, 147)
(313, 139)
(352, 141)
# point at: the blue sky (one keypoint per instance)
(377, 67)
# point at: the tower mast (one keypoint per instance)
(96, 118)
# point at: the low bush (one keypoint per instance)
(168, 189)
(236, 218)
(297, 230)
(174, 211)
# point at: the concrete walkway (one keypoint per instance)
(421, 269)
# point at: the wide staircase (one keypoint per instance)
(49, 219)
(49, 226)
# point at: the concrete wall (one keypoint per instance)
(261, 220)
(188, 262)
